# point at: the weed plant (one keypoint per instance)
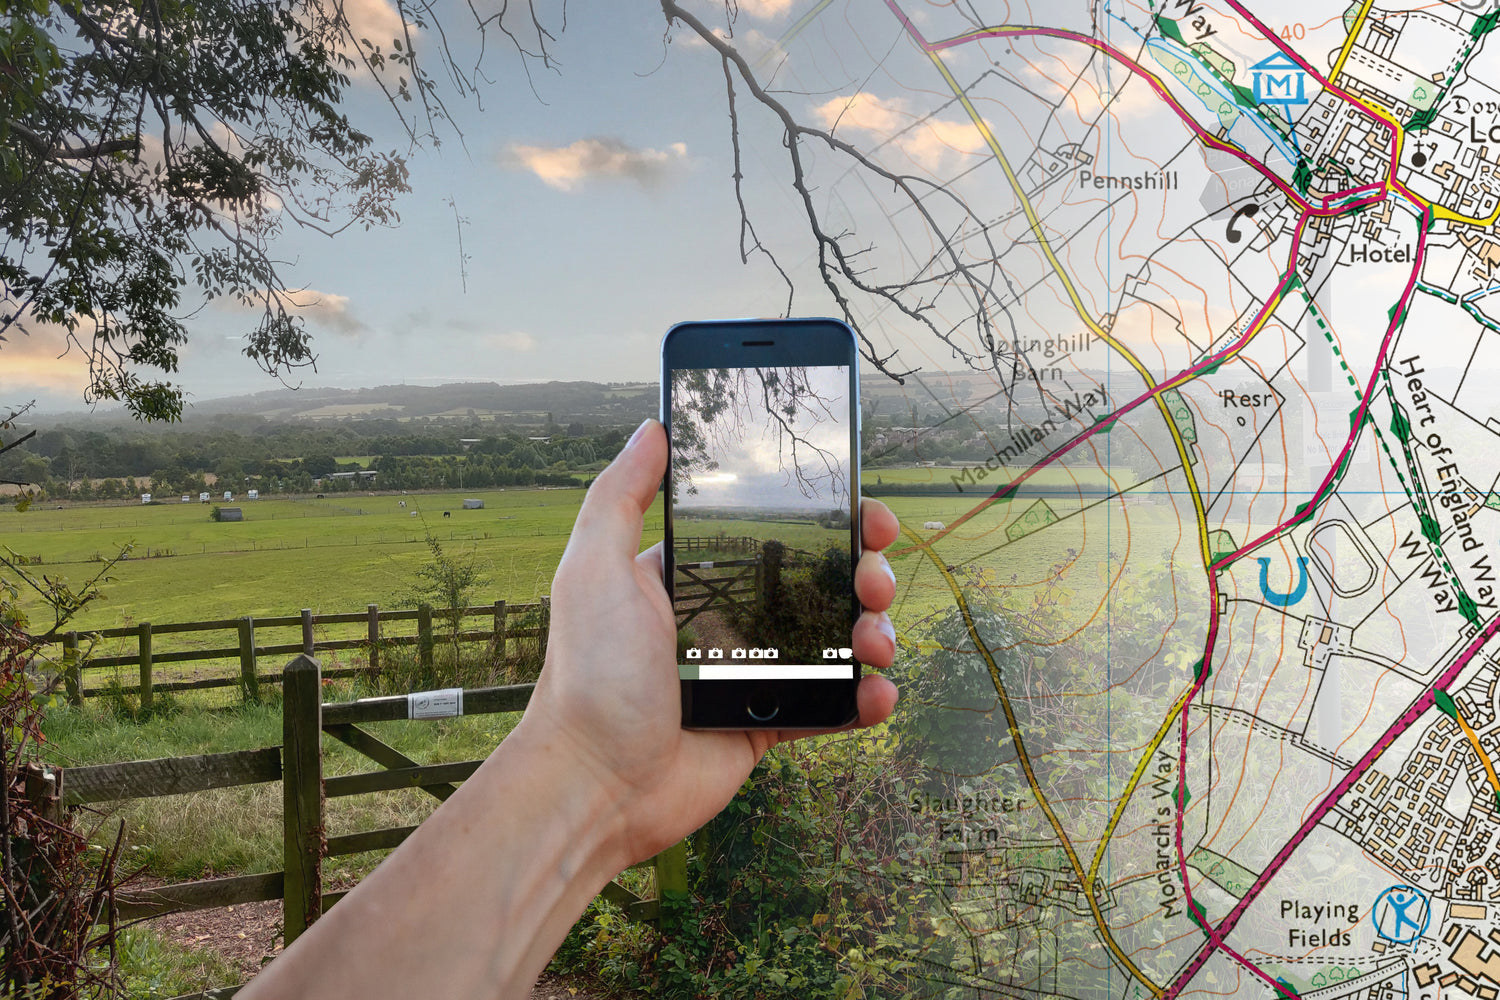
(153, 966)
(801, 888)
(469, 665)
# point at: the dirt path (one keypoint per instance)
(714, 631)
(248, 936)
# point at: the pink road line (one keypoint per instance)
(1362, 410)
(1401, 725)
(1323, 81)
(1327, 84)
(1203, 134)
(1217, 933)
(1180, 378)
(1372, 186)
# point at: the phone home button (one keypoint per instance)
(762, 707)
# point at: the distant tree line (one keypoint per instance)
(86, 464)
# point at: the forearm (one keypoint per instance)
(473, 904)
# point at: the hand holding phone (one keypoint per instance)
(762, 520)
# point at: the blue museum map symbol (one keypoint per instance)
(1287, 599)
(1279, 80)
(1401, 913)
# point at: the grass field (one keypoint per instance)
(331, 555)
(352, 549)
(343, 552)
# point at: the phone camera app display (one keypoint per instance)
(761, 508)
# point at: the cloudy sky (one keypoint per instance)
(756, 461)
(597, 211)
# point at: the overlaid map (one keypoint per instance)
(1190, 333)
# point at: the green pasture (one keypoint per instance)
(1052, 476)
(793, 533)
(1004, 552)
(332, 555)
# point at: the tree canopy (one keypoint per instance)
(151, 151)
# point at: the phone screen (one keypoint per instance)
(762, 520)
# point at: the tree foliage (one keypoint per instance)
(151, 151)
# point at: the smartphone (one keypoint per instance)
(762, 520)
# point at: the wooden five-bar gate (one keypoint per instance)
(298, 765)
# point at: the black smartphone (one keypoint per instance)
(762, 520)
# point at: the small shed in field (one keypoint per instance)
(231, 514)
(473, 504)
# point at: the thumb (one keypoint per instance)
(610, 518)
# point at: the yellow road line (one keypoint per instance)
(794, 31)
(1135, 779)
(1200, 514)
(1025, 760)
(1359, 22)
(1078, 306)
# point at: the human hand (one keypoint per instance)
(608, 696)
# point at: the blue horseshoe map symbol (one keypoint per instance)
(1288, 599)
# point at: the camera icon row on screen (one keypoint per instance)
(842, 653)
(694, 653)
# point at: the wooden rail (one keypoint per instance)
(248, 648)
(298, 765)
(703, 586)
(717, 543)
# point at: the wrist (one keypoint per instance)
(572, 794)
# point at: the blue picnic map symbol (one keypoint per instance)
(1275, 598)
(1400, 914)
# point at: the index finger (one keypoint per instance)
(878, 527)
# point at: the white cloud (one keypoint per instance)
(928, 142)
(749, 42)
(764, 10)
(326, 309)
(513, 340)
(563, 167)
(377, 20)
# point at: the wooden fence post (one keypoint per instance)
(424, 635)
(249, 683)
(498, 642)
(307, 632)
(72, 669)
(372, 653)
(302, 793)
(44, 790)
(671, 870)
(541, 640)
(145, 645)
(768, 576)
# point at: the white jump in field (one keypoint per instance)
(933, 526)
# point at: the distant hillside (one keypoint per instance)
(925, 397)
(567, 402)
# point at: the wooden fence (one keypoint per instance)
(720, 543)
(298, 765)
(248, 648)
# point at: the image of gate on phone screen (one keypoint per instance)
(761, 511)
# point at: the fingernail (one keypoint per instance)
(887, 629)
(638, 432)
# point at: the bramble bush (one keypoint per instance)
(57, 926)
(806, 886)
